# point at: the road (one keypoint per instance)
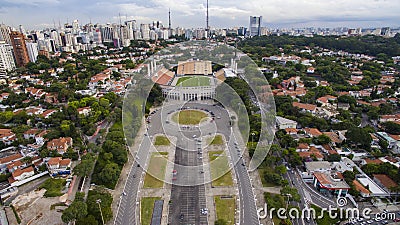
(189, 180)
(308, 196)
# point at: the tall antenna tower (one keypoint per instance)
(120, 30)
(207, 25)
(169, 18)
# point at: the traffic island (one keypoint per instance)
(220, 172)
(156, 171)
(225, 207)
(189, 117)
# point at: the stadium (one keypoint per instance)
(193, 81)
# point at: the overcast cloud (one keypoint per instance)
(191, 13)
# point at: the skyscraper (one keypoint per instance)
(255, 26)
(19, 46)
(6, 58)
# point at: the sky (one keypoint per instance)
(34, 14)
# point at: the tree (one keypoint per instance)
(93, 207)
(334, 158)
(272, 177)
(359, 137)
(84, 168)
(77, 210)
(392, 128)
(294, 195)
(89, 220)
(281, 169)
(322, 140)
(110, 173)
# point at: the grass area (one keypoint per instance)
(225, 209)
(193, 81)
(52, 207)
(146, 209)
(156, 172)
(53, 187)
(326, 219)
(217, 140)
(220, 171)
(16, 214)
(161, 141)
(189, 117)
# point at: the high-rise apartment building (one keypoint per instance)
(6, 58)
(131, 29)
(255, 26)
(5, 33)
(145, 31)
(107, 33)
(32, 51)
(19, 46)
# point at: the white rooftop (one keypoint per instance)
(372, 186)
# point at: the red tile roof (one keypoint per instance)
(360, 188)
(11, 158)
(305, 106)
(385, 180)
(18, 172)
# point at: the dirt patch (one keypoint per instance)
(33, 209)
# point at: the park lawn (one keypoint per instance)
(220, 172)
(53, 187)
(225, 209)
(146, 209)
(156, 171)
(161, 141)
(217, 140)
(189, 117)
(193, 81)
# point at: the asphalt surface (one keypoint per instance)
(187, 193)
(187, 201)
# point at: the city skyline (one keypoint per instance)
(192, 13)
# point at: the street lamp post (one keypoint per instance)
(287, 204)
(98, 201)
(252, 137)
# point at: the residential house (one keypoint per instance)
(364, 192)
(46, 114)
(15, 165)
(385, 182)
(30, 133)
(57, 164)
(60, 145)
(84, 110)
(325, 100)
(302, 147)
(344, 106)
(21, 174)
(306, 107)
(9, 159)
(283, 123)
(39, 138)
(7, 136)
(312, 132)
(102, 80)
